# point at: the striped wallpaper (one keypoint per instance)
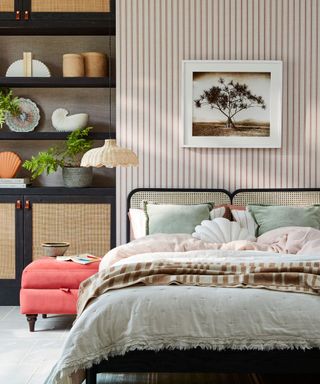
(153, 36)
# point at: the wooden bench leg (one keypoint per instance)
(31, 320)
(91, 376)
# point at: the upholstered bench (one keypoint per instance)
(50, 286)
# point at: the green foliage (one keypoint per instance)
(76, 145)
(8, 104)
(43, 162)
(69, 154)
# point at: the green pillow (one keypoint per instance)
(172, 218)
(270, 217)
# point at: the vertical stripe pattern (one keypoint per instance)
(154, 36)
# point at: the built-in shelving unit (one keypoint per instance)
(49, 31)
(22, 20)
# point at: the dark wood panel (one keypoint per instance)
(55, 28)
(51, 135)
(176, 378)
(228, 361)
(57, 82)
(203, 378)
(56, 191)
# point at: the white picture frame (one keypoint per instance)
(254, 89)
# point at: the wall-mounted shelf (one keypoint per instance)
(57, 82)
(57, 28)
(51, 135)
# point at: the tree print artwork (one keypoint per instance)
(230, 98)
(231, 104)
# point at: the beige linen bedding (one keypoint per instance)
(164, 316)
(295, 240)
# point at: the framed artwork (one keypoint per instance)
(231, 104)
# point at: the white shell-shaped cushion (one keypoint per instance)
(221, 230)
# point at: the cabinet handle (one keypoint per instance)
(26, 15)
(27, 204)
(18, 204)
(18, 15)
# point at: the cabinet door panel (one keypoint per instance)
(86, 226)
(11, 248)
(7, 241)
(7, 6)
(99, 6)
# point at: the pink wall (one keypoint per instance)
(155, 35)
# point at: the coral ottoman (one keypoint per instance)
(50, 286)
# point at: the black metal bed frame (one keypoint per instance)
(199, 360)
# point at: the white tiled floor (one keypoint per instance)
(25, 357)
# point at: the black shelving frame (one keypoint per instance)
(51, 135)
(57, 82)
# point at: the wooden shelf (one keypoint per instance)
(107, 191)
(51, 135)
(58, 27)
(57, 82)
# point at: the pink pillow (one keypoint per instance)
(138, 223)
(245, 219)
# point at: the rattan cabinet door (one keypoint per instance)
(8, 9)
(7, 6)
(58, 6)
(85, 223)
(11, 248)
(71, 10)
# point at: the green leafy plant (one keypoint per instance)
(8, 104)
(67, 155)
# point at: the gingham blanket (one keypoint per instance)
(294, 276)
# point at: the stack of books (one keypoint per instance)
(14, 183)
(83, 258)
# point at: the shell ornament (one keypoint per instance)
(10, 163)
(221, 230)
(64, 123)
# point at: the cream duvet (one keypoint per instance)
(183, 317)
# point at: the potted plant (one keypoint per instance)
(68, 157)
(8, 104)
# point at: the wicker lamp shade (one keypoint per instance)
(110, 156)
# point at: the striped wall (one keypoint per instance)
(153, 36)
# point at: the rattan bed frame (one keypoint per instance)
(198, 360)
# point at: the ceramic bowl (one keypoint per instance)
(55, 249)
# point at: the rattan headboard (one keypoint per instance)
(176, 196)
(298, 197)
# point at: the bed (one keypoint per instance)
(277, 357)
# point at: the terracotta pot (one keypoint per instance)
(95, 64)
(73, 65)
